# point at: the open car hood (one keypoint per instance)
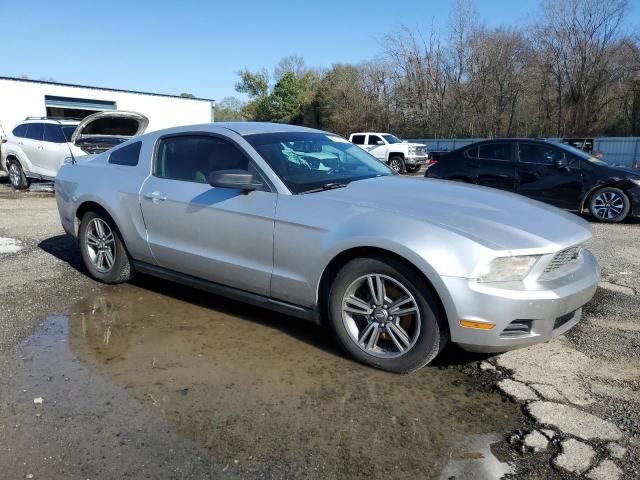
(116, 125)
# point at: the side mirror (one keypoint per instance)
(239, 179)
(561, 163)
(379, 142)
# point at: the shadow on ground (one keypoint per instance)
(64, 248)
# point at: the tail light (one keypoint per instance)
(431, 162)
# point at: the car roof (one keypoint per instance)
(369, 133)
(509, 139)
(251, 128)
(50, 120)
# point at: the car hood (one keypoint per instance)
(618, 169)
(118, 124)
(496, 219)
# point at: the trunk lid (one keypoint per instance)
(103, 130)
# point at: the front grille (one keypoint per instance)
(560, 321)
(421, 151)
(564, 257)
(517, 328)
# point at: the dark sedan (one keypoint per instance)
(551, 172)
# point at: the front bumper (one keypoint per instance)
(415, 159)
(549, 310)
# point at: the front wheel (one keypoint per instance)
(102, 249)
(609, 205)
(16, 176)
(397, 164)
(383, 314)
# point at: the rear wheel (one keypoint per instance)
(397, 164)
(609, 205)
(16, 175)
(383, 314)
(102, 249)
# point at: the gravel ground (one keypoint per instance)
(36, 280)
(593, 370)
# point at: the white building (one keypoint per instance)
(21, 98)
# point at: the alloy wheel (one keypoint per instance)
(608, 205)
(381, 316)
(14, 174)
(395, 165)
(101, 245)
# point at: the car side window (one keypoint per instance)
(53, 133)
(540, 154)
(496, 151)
(358, 139)
(374, 140)
(472, 152)
(127, 156)
(35, 131)
(191, 158)
(20, 130)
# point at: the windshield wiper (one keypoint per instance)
(326, 186)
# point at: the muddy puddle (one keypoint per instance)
(207, 388)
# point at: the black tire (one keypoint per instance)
(121, 269)
(428, 340)
(397, 164)
(609, 205)
(412, 168)
(16, 175)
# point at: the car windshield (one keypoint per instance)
(581, 154)
(315, 161)
(68, 131)
(391, 138)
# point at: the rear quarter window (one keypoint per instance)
(20, 130)
(128, 156)
(472, 152)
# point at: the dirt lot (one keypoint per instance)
(154, 380)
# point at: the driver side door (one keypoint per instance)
(540, 178)
(218, 234)
(377, 147)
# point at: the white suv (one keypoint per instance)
(400, 156)
(38, 146)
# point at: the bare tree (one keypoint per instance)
(571, 71)
(292, 63)
(577, 40)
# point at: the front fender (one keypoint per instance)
(304, 247)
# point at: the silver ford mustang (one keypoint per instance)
(305, 223)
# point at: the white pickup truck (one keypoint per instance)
(399, 155)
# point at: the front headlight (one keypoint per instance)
(636, 181)
(508, 269)
(412, 149)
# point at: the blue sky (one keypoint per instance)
(198, 46)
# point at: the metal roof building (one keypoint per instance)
(21, 98)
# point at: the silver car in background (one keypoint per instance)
(305, 223)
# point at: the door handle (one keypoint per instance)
(155, 197)
(39, 147)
